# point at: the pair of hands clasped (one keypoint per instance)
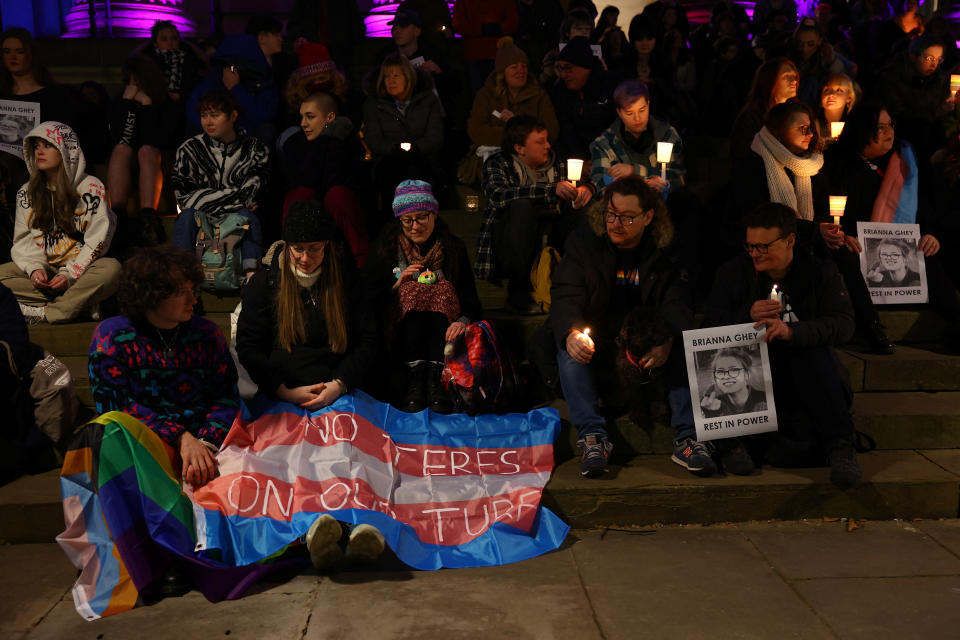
(40, 280)
(581, 348)
(578, 196)
(312, 396)
(133, 92)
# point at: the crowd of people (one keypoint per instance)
(320, 191)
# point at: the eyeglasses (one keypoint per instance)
(409, 220)
(622, 219)
(563, 68)
(883, 126)
(761, 248)
(805, 130)
(310, 251)
(890, 256)
(732, 373)
(932, 60)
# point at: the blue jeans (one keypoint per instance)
(185, 231)
(580, 391)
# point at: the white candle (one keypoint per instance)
(954, 83)
(837, 206)
(836, 128)
(574, 169)
(664, 151)
(406, 146)
(775, 294)
(586, 337)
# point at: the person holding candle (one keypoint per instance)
(916, 93)
(812, 398)
(629, 145)
(785, 167)
(614, 264)
(880, 175)
(526, 191)
(402, 126)
(837, 98)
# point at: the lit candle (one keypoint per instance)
(836, 128)
(837, 206)
(406, 146)
(664, 151)
(586, 337)
(775, 294)
(574, 169)
(954, 83)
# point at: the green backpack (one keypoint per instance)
(218, 247)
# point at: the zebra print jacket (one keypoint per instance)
(216, 177)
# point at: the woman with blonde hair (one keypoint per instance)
(838, 96)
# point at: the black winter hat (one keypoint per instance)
(578, 52)
(307, 221)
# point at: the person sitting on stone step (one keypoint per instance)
(220, 171)
(63, 228)
(812, 396)
(613, 264)
(425, 311)
(526, 191)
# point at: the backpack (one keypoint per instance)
(541, 276)
(479, 373)
(218, 247)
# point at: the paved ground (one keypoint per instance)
(758, 580)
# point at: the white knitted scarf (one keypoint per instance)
(776, 157)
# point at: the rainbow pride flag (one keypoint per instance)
(446, 491)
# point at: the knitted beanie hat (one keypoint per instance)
(413, 196)
(508, 53)
(314, 58)
(308, 222)
(578, 52)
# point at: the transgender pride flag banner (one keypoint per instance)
(446, 491)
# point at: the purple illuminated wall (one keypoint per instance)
(382, 13)
(129, 19)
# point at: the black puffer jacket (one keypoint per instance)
(270, 366)
(385, 127)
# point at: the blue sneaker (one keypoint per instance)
(596, 451)
(694, 456)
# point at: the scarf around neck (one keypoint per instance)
(776, 159)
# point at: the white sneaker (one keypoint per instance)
(33, 315)
(366, 543)
(322, 538)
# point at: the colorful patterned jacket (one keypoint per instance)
(190, 385)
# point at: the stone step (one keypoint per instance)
(648, 489)
(911, 368)
(652, 489)
(906, 420)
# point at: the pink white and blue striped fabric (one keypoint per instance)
(446, 491)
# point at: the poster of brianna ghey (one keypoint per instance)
(17, 119)
(730, 382)
(892, 263)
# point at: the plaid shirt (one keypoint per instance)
(502, 184)
(610, 148)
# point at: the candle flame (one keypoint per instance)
(586, 332)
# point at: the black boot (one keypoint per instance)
(151, 230)
(878, 340)
(437, 398)
(415, 399)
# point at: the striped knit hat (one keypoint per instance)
(413, 196)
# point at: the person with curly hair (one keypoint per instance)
(163, 365)
(62, 230)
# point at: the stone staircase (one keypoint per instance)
(909, 403)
